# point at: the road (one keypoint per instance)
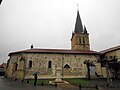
(6, 84)
(16, 85)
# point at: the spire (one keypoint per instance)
(85, 30)
(78, 25)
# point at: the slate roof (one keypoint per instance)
(56, 51)
(78, 24)
(110, 49)
(85, 30)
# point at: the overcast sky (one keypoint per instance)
(49, 24)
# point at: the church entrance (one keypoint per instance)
(92, 71)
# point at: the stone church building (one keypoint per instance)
(22, 64)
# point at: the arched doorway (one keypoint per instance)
(66, 69)
(66, 66)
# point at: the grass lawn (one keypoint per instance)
(76, 81)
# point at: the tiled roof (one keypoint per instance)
(110, 49)
(57, 51)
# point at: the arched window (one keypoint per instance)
(50, 64)
(30, 64)
(66, 66)
(78, 40)
(16, 66)
(83, 40)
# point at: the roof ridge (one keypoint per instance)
(63, 51)
(110, 49)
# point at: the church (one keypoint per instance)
(69, 62)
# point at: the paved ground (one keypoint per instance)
(102, 83)
(6, 84)
(17, 85)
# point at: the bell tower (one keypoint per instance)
(80, 36)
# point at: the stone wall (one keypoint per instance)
(15, 68)
(72, 65)
(80, 42)
(118, 54)
(113, 54)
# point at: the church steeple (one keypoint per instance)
(85, 30)
(78, 24)
(80, 36)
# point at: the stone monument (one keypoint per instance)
(58, 75)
